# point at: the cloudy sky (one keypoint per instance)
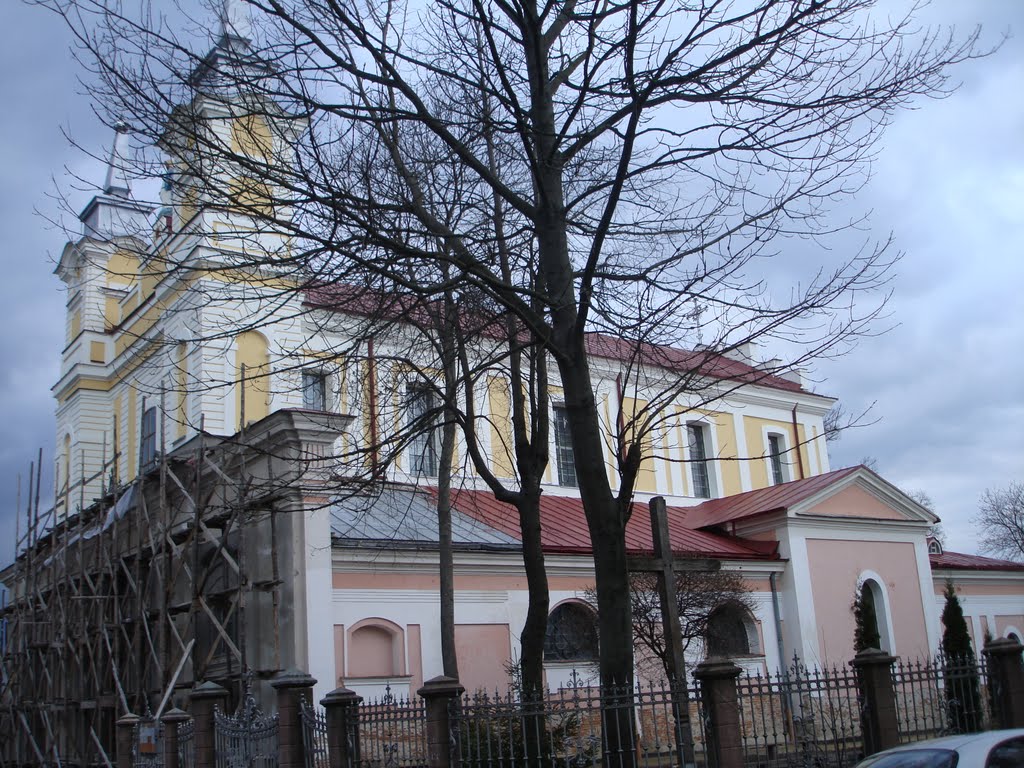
(946, 382)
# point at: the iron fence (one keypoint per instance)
(800, 717)
(187, 744)
(569, 728)
(392, 733)
(247, 740)
(941, 696)
(314, 735)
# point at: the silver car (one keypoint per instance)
(991, 749)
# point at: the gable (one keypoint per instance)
(854, 501)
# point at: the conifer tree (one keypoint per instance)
(963, 700)
(865, 629)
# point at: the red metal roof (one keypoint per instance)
(370, 302)
(960, 562)
(701, 362)
(771, 499)
(564, 528)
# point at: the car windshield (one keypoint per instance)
(912, 758)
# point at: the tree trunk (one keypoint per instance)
(446, 559)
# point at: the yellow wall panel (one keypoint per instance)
(500, 417)
(725, 434)
(252, 372)
(97, 352)
(757, 449)
(130, 453)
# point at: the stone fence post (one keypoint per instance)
(342, 709)
(1006, 682)
(880, 725)
(438, 694)
(722, 709)
(204, 698)
(171, 720)
(125, 735)
(292, 686)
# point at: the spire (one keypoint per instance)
(114, 213)
(117, 178)
(234, 20)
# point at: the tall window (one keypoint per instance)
(147, 441)
(314, 390)
(425, 445)
(699, 472)
(564, 458)
(775, 451)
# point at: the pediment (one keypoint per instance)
(863, 495)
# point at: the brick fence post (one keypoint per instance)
(204, 698)
(342, 708)
(171, 720)
(722, 709)
(439, 693)
(880, 725)
(1006, 682)
(125, 735)
(292, 686)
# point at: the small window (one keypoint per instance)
(699, 471)
(571, 634)
(564, 458)
(776, 449)
(147, 441)
(934, 547)
(314, 390)
(424, 446)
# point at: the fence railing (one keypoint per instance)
(187, 744)
(246, 740)
(314, 735)
(801, 716)
(940, 696)
(798, 717)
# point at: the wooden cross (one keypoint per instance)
(665, 566)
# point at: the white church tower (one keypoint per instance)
(165, 332)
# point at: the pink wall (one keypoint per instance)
(483, 650)
(834, 569)
(1003, 623)
(856, 502)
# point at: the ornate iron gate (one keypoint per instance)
(314, 735)
(247, 740)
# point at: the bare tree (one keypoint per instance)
(646, 159)
(701, 596)
(1000, 521)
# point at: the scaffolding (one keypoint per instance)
(123, 605)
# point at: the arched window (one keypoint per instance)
(934, 547)
(571, 634)
(732, 632)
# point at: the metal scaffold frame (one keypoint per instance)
(124, 604)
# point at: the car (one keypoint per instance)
(990, 749)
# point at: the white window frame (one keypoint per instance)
(784, 473)
(423, 451)
(325, 383)
(564, 477)
(708, 441)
